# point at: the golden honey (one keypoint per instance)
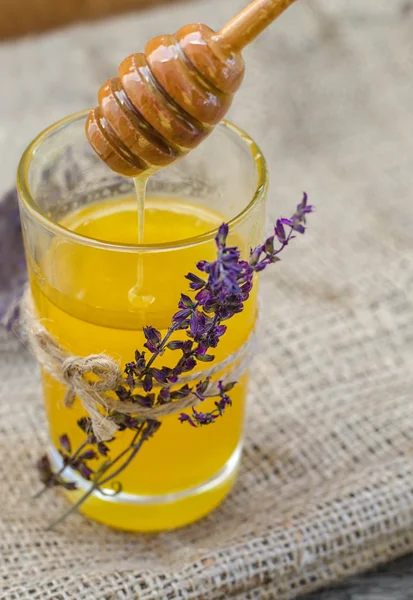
(83, 296)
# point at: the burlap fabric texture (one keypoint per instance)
(326, 486)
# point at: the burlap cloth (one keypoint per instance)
(326, 487)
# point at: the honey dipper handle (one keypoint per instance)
(250, 22)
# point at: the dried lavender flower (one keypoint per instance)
(65, 443)
(220, 293)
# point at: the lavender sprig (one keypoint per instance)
(220, 293)
(266, 254)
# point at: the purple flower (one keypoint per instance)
(203, 418)
(203, 297)
(181, 324)
(136, 368)
(225, 277)
(65, 443)
(87, 455)
(68, 485)
(202, 357)
(203, 266)
(202, 387)
(225, 400)
(222, 404)
(297, 221)
(140, 361)
(245, 290)
(45, 470)
(199, 326)
(83, 469)
(269, 245)
(85, 424)
(255, 255)
(193, 323)
(131, 423)
(147, 382)
(160, 375)
(211, 338)
(186, 302)
(181, 315)
(264, 255)
(280, 232)
(297, 226)
(153, 339)
(225, 387)
(183, 417)
(102, 449)
(261, 266)
(164, 396)
(221, 237)
(197, 283)
(201, 350)
(219, 330)
(175, 345)
(152, 427)
(188, 364)
(187, 346)
(303, 208)
(173, 377)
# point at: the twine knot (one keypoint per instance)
(76, 368)
(78, 373)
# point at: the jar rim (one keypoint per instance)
(35, 211)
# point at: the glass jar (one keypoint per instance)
(81, 290)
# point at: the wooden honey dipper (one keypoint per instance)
(166, 101)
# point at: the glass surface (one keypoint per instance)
(79, 224)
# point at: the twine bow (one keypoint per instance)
(94, 378)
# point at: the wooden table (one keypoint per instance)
(390, 582)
